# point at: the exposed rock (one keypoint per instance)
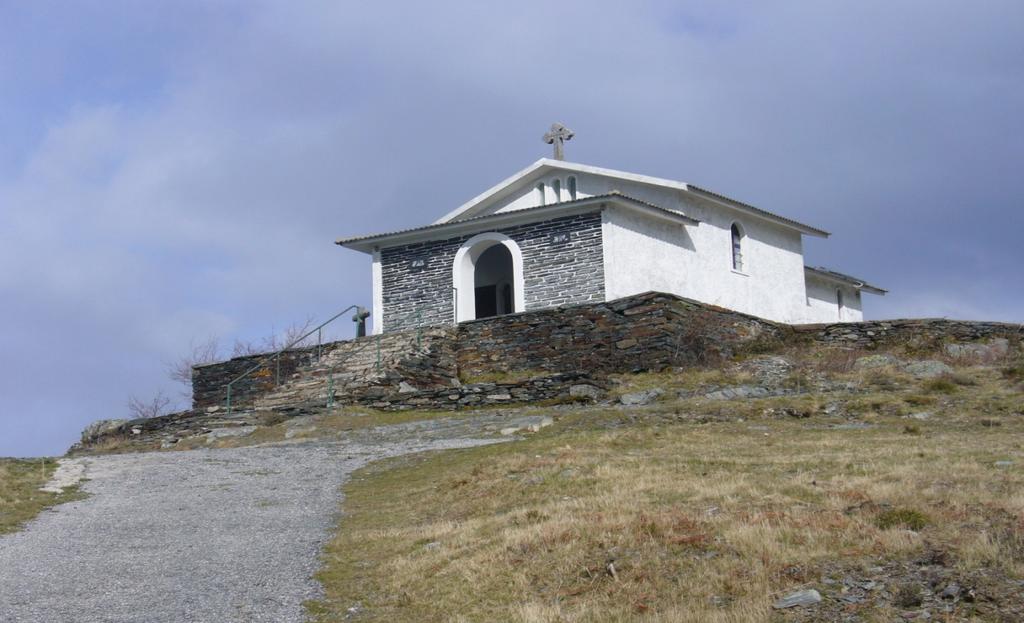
(100, 428)
(739, 392)
(994, 350)
(644, 397)
(405, 388)
(923, 415)
(234, 431)
(928, 369)
(871, 362)
(291, 433)
(68, 474)
(807, 597)
(585, 391)
(851, 426)
(769, 369)
(527, 423)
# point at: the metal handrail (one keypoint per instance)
(277, 355)
(419, 344)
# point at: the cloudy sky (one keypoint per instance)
(171, 171)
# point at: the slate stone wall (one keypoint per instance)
(922, 332)
(649, 331)
(556, 271)
(209, 382)
(645, 332)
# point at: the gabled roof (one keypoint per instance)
(545, 165)
(832, 275)
(440, 231)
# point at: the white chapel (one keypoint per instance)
(563, 233)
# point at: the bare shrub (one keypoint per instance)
(199, 353)
(154, 407)
(276, 341)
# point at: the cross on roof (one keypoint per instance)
(557, 136)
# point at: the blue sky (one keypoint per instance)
(171, 171)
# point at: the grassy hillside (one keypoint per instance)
(20, 497)
(894, 497)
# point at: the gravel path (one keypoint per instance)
(202, 536)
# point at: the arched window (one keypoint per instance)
(571, 183)
(839, 302)
(556, 188)
(540, 194)
(737, 247)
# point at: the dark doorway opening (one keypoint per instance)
(486, 301)
(492, 279)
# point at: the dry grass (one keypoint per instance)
(668, 520)
(20, 497)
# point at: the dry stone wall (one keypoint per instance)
(444, 366)
(924, 332)
(423, 355)
(645, 332)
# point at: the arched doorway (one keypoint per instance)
(488, 277)
(492, 282)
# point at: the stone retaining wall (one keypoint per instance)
(924, 332)
(649, 331)
(645, 332)
(361, 361)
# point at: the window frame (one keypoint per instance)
(736, 254)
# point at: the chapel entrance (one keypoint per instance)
(487, 277)
(492, 282)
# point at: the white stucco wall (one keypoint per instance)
(641, 253)
(822, 306)
(696, 261)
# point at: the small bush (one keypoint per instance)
(961, 379)
(902, 518)
(270, 418)
(908, 595)
(918, 400)
(911, 429)
(941, 385)
(1014, 373)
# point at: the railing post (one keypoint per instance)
(319, 338)
(229, 398)
(277, 375)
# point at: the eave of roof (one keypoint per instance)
(439, 231)
(545, 165)
(860, 284)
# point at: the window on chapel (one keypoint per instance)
(737, 247)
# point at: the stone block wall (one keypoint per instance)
(209, 382)
(448, 367)
(645, 332)
(920, 332)
(418, 277)
(420, 354)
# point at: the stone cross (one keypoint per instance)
(557, 136)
